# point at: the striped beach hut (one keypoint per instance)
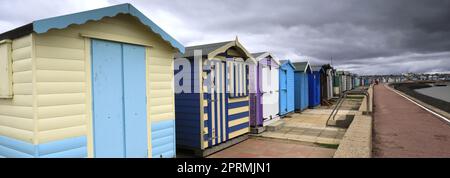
(213, 107)
(91, 84)
(302, 72)
(287, 89)
(264, 102)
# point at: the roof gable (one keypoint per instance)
(61, 22)
(302, 66)
(264, 55)
(287, 63)
(214, 49)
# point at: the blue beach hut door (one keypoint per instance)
(119, 99)
(283, 92)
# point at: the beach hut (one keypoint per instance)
(287, 88)
(214, 109)
(326, 83)
(343, 82)
(337, 78)
(329, 71)
(264, 102)
(356, 81)
(91, 84)
(314, 86)
(302, 71)
(348, 81)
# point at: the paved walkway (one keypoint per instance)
(273, 148)
(310, 126)
(402, 129)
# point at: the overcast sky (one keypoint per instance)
(365, 37)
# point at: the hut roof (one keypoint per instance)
(263, 55)
(302, 66)
(287, 62)
(61, 22)
(213, 49)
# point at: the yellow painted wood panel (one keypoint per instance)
(59, 64)
(238, 121)
(154, 69)
(59, 76)
(15, 133)
(165, 85)
(22, 65)
(17, 122)
(238, 133)
(161, 109)
(60, 134)
(60, 111)
(159, 53)
(60, 41)
(161, 101)
(6, 70)
(235, 100)
(238, 110)
(22, 77)
(60, 87)
(23, 88)
(21, 42)
(162, 117)
(18, 100)
(61, 122)
(21, 53)
(59, 53)
(161, 77)
(60, 99)
(16, 111)
(161, 93)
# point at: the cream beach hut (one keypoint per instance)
(92, 84)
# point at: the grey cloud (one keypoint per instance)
(362, 36)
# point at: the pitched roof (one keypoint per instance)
(302, 66)
(263, 55)
(316, 68)
(205, 48)
(287, 62)
(213, 49)
(61, 22)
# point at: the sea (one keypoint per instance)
(438, 92)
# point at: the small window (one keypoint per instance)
(5, 69)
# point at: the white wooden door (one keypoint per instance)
(266, 89)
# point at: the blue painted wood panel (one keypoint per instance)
(66, 148)
(314, 89)
(290, 89)
(301, 91)
(287, 83)
(107, 93)
(163, 139)
(283, 91)
(119, 100)
(187, 112)
(135, 101)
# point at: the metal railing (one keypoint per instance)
(342, 99)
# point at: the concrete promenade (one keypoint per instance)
(403, 129)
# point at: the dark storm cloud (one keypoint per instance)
(372, 36)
